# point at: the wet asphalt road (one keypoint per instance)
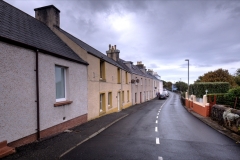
(161, 129)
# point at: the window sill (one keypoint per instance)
(62, 103)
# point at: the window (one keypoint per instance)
(102, 102)
(141, 81)
(60, 80)
(122, 96)
(126, 77)
(128, 96)
(118, 75)
(109, 99)
(102, 70)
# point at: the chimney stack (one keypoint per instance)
(113, 52)
(140, 65)
(49, 15)
(150, 71)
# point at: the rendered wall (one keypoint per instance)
(18, 109)
(76, 91)
(17, 92)
(145, 88)
(76, 48)
(95, 87)
(161, 86)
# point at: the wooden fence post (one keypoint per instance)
(235, 102)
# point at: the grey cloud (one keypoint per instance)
(203, 65)
(230, 60)
(166, 33)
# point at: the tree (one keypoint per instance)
(181, 86)
(237, 72)
(237, 76)
(237, 80)
(167, 85)
(220, 75)
(199, 79)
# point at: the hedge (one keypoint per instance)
(228, 98)
(199, 88)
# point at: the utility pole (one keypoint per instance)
(188, 79)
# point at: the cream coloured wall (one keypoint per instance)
(76, 78)
(18, 92)
(95, 86)
(76, 48)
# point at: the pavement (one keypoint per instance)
(56, 146)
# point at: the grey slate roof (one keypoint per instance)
(121, 62)
(91, 50)
(20, 27)
(135, 70)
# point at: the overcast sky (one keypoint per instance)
(160, 33)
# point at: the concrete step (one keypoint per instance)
(5, 150)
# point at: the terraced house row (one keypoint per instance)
(51, 81)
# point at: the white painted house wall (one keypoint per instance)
(161, 87)
(76, 91)
(18, 109)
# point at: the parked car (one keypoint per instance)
(166, 93)
(161, 96)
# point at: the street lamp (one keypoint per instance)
(188, 76)
(180, 86)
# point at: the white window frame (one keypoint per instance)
(65, 88)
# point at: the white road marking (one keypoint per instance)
(156, 121)
(156, 129)
(157, 117)
(157, 141)
(158, 114)
(160, 158)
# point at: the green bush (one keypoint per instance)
(233, 93)
(230, 97)
(191, 89)
(199, 88)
